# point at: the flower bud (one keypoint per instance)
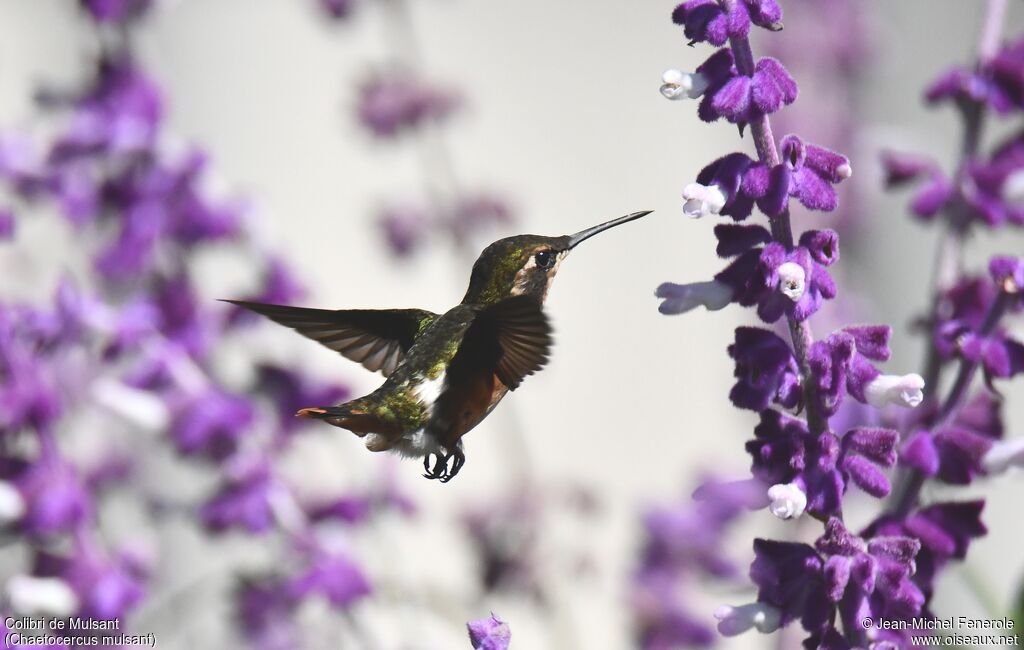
(788, 501)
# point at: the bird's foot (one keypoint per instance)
(438, 467)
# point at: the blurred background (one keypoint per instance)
(536, 117)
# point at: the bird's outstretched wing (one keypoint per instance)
(517, 331)
(376, 338)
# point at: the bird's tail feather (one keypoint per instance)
(348, 416)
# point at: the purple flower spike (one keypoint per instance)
(766, 371)
(489, 633)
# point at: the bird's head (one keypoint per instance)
(526, 264)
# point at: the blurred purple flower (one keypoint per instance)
(404, 226)
(210, 423)
(116, 11)
(392, 103)
(489, 634)
(337, 10)
(7, 224)
(54, 496)
(264, 613)
(333, 575)
(243, 501)
(107, 587)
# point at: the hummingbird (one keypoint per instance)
(444, 372)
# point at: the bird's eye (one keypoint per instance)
(544, 259)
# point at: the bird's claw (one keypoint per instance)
(439, 469)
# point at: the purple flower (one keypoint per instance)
(405, 226)
(119, 114)
(335, 576)
(995, 193)
(945, 530)
(795, 282)
(662, 620)
(879, 567)
(474, 212)
(210, 423)
(709, 20)
(489, 634)
(337, 10)
(717, 189)
(265, 612)
(998, 82)
(743, 99)
(822, 467)
(107, 587)
(54, 496)
(766, 370)
(955, 451)
(7, 224)
(116, 11)
(242, 501)
(789, 578)
(807, 172)
(391, 104)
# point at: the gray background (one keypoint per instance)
(565, 116)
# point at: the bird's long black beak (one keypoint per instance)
(590, 232)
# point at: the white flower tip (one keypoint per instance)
(844, 171)
(1013, 187)
(681, 298)
(905, 390)
(702, 200)
(736, 620)
(41, 596)
(12, 506)
(788, 501)
(792, 280)
(1003, 455)
(139, 407)
(676, 84)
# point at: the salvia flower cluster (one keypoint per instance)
(125, 347)
(805, 459)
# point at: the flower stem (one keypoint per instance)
(948, 259)
(907, 497)
(949, 256)
(782, 231)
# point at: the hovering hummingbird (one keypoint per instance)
(445, 373)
